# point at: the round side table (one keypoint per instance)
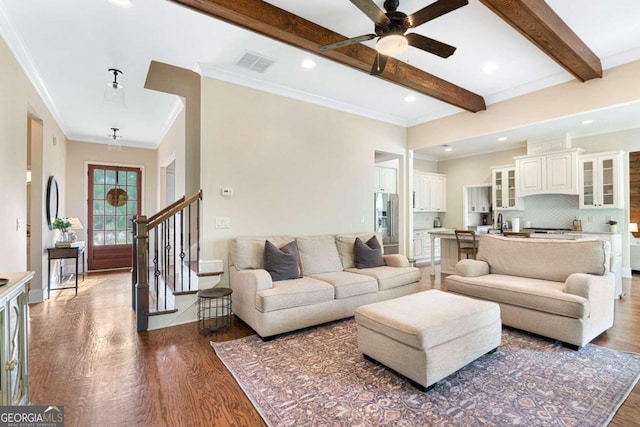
(214, 309)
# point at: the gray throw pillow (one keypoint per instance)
(282, 264)
(367, 255)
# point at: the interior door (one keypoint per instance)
(114, 198)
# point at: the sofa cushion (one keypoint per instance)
(293, 293)
(345, 243)
(367, 255)
(545, 259)
(535, 294)
(318, 254)
(390, 277)
(248, 252)
(283, 263)
(349, 284)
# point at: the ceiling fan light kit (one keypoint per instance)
(392, 44)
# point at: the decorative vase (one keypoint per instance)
(613, 228)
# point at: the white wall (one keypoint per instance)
(295, 168)
(172, 148)
(18, 101)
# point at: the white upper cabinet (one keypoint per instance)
(505, 189)
(386, 180)
(429, 192)
(553, 173)
(478, 200)
(600, 181)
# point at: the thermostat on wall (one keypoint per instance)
(226, 191)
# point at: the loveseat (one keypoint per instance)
(560, 289)
(330, 286)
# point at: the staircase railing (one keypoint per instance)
(166, 246)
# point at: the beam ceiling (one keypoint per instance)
(268, 20)
(535, 20)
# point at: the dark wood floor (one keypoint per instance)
(86, 355)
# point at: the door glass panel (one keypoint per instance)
(114, 198)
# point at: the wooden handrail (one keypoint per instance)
(171, 210)
(171, 206)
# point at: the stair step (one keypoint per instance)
(160, 312)
(193, 265)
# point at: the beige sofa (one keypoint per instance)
(561, 289)
(331, 287)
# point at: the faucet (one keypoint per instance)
(500, 222)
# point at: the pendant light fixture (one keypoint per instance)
(114, 92)
(114, 144)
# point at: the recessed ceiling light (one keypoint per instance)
(587, 122)
(502, 138)
(447, 148)
(308, 63)
(121, 3)
(489, 68)
(409, 98)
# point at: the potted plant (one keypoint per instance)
(62, 224)
(612, 226)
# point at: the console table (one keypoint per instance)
(74, 252)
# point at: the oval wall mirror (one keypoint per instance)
(52, 200)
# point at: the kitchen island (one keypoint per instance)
(448, 251)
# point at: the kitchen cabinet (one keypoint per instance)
(504, 189)
(386, 180)
(553, 173)
(601, 181)
(14, 357)
(478, 200)
(422, 246)
(418, 245)
(429, 192)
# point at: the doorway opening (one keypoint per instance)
(389, 201)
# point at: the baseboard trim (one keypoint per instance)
(36, 296)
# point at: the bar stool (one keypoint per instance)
(467, 243)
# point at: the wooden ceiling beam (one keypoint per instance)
(270, 21)
(537, 21)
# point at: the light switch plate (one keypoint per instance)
(223, 222)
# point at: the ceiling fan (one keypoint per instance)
(390, 28)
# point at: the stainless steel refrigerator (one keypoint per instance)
(386, 220)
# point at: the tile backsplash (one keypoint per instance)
(559, 210)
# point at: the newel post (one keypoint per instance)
(142, 283)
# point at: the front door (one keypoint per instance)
(114, 198)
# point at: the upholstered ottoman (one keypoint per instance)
(429, 335)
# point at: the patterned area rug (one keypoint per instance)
(317, 377)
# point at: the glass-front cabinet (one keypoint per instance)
(600, 181)
(504, 189)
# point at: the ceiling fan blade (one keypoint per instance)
(434, 10)
(369, 8)
(378, 64)
(430, 45)
(347, 42)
